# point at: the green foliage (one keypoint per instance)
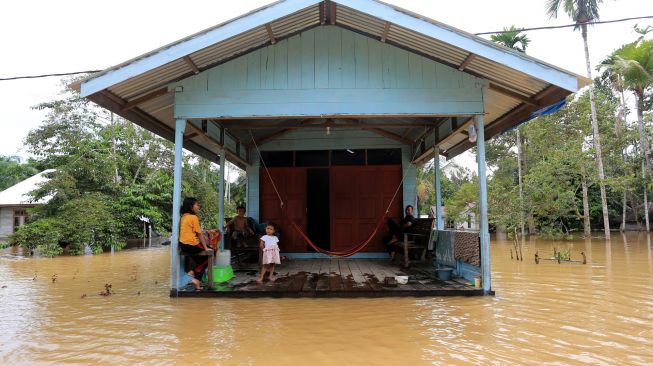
(108, 174)
(12, 172)
(41, 236)
(580, 11)
(511, 37)
(463, 201)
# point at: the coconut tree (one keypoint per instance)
(582, 12)
(634, 63)
(513, 38)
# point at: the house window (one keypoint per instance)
(20, 216)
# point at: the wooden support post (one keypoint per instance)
(386, 29)
(221, 197)
(466, 62)
(438, 192)
(191, 64)
(268, 28)
(482, 190)
(144, 98)
(509, 93)
(180, 127)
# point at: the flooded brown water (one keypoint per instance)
(547, 313)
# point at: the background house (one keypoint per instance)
(15, 200)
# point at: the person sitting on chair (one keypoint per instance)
(397, 231)
(192, 240)
(239, 228)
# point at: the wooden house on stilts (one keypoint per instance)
(328, 105)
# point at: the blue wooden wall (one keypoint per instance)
(328, 71)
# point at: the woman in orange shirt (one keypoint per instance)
(192, 240)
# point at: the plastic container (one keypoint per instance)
(477, 282)
(444, 274)
(221, 274)
(402, 280)
(223, 258)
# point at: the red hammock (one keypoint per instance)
(345, 253)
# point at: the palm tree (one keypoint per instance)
(634, 64)
(582, 12)
(631, 67)
(513, 38)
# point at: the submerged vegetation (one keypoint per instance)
(544, 174)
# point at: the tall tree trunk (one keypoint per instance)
(643, 140)
(623, 212)
(597, 139)
(618, 131)
(586, 205)
(116, 177)
(648, 228)
(521, 186)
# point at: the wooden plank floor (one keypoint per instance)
(336, 278)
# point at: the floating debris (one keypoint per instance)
(83, 296)
(4, 286)
(107, 290)
(54, 278)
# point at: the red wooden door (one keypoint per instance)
(359, 197)
(291, 184)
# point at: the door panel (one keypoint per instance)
(291, 184)
(360, 196)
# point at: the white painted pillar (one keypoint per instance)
(221, 197)
(482, 189)
(438, 191)
(180, 128)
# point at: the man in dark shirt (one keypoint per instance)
(397, 231)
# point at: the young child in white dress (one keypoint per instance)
(270, 246)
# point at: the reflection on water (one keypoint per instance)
(547, 313)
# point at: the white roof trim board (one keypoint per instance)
(18, 194)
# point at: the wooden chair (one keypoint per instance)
(251, 245)
(209, 270)
(418, 238)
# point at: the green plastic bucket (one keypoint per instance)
(221, 274)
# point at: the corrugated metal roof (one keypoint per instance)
(18, 194)
(369, 17)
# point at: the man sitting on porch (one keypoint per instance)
(239, 228)
(397, 231)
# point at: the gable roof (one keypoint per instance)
(18, 194)
(518, 83)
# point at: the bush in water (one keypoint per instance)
(41, 235)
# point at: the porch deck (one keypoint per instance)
(337, 278)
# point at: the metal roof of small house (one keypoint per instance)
(517, 83)
(19, 194)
